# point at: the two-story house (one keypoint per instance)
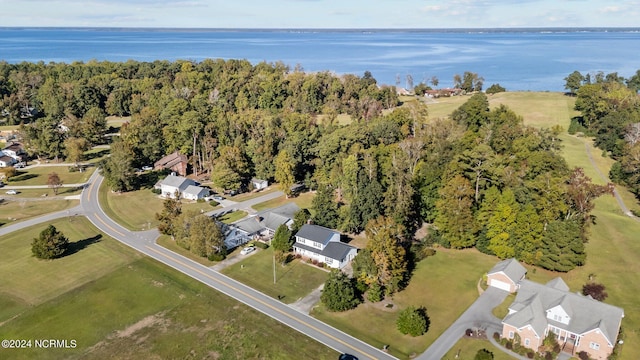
(579, 322)
(323, 245)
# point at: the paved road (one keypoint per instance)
(478, 315)
(144, 242)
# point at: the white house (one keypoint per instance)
(185, 188)
(6, 161)
(14, 150)
(263, 224)
(323, 245)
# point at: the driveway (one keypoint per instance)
(478, 315)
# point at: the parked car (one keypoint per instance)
(247, 250)
(147, 168)
(19, 165)
(12, 192)
(218, 198)
(347, 357)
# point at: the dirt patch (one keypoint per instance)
(149, 321)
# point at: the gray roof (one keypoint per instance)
(533, 301)
(273, 218)
(558, 283)
(177, 182)
(195, 190)
(511, 268)
(316, 233)
(335, 250)
(250, 225)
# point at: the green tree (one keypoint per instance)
(282, 242)
(284, 174)
(473, 113)
(50, 244)
(325, 207)
(364, 267)
(385, 238)
(171, 209)
(205, 236)
(75, 148)
(574, 81)
(501, 225)
(54, 182)
(413, 321)
(117, 169)
(300, 218)
(483, 354)
(339, 293)
(494, 89)
(455, 219)
(562, 246)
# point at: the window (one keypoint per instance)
(594, 346)
(511, 334)
(527, 342)
(557, 317)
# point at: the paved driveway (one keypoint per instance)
(477, 315)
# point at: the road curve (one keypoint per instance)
(144, 242)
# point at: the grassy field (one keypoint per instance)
(48, 193)
(145, 310)
(166, 242)
(34, 281)
(293, 281)
(13, 211)
(38, 175)
(233, 216)
(445, 284)
(303, 201)
(136, 210)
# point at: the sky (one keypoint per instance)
(392, 14)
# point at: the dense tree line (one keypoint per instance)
(480, 176)
(609, 108)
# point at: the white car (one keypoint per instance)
(147, 168)
(12, 192)
(247, 250)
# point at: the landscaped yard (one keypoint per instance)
(233, 216)
(293, 281)
(445, 284)
(467, 348)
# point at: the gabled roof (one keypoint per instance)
(195, 190)
(177, 182)
(14, 146)
(250, 225)
(170, 160)
(558, 283)
(6, 158)
(273, 218)
(335, 250)
(316, 233)
(511, 268)
(586, 314)
(259, 181)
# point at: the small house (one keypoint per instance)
(506, 275)
(185, 188)
(174, 162)
(259, 184)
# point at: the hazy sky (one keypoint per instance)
(321, 13)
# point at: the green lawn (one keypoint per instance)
(33, 281)
(232, 216)
(467, 348)
(48, 193)
(303, 201)
(293, 281)
(136, 210)
(39, 175)
(445, 284)
(145, 310)
(13, 211)
(166, 242)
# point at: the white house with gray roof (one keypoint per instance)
(185, 188)
(323, 245)
(579, 322)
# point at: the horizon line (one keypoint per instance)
(561, 28)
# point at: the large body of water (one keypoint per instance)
(518, 59)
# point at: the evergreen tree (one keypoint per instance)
(455, 219)
(388, 252)
(562, 246)
(50, 244)
(282, 242)
(413, 321)
(300, 218)
(325, 207)
(171, 209)
(117, 169)
(339, 293)
(285, 172)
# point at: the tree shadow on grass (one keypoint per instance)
(23, 177)
(75, 247)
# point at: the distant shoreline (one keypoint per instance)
(345, 30)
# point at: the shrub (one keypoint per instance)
(339, 292)
(509, 344)
(595, 290)
(468, 332)
(73, 169)
(483, 354)
(50, 244)
(495, 88)
(216, 257)
(413, 321)
(531, 354)
(583, 355)
(214, 203)
(156, 191)
(261, 245)
(496, 336)
(376, 293)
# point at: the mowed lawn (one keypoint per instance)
(445, 284)
(145, 310)
(14, 211)
(39, 175)
(294, 280)
(136, 210)
(29, 281)
(302, 200)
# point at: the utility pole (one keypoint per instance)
(274, 267)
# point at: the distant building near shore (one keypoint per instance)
(448, 92)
